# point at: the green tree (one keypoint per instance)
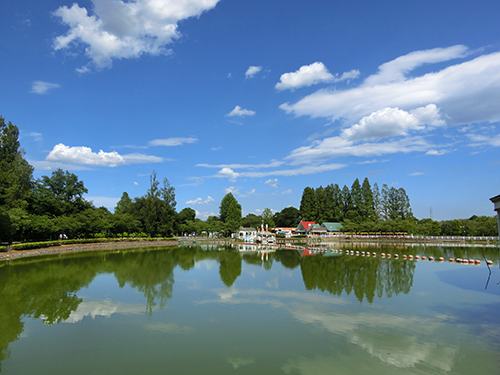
(251, 221)
(224, 206)
(59, 194)
(267, 218)
(288, 217)
(368, 204)
(15, 182)
(308, 204)
(356, 201)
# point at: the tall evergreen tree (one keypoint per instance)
(308, 204)
(377, 201)
(357, 202)
(368, 205)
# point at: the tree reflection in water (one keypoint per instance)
(46, 288)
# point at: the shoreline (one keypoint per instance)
(82, 248)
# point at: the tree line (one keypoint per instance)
(47, 207)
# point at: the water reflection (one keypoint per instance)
(48, 289)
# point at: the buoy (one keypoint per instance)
(465, 261)
(404, 256)
(431, 259)
(441, 259)
(417, 257)
(352, 252)
(489, 262)
(382, 255)
(363, 253)
(396, 256)
(472, 261)
(388, 255)
(367, 253)
(424, 257)
(374, 254)
(452, 260)
(477, 261)
(410, 257)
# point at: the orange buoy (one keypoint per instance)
(388, 255)
(424, 257)
(452, 260)
(465, 261)
(410, 257)
(404, 256)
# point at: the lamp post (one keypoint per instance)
(496, 202)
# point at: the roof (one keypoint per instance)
(245, 229)
(305, 225)
(332, 227)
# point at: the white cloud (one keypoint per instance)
(339, 147)
(117, 29)
(416, 174)
(309, 169)
(201, 201)
(288, 191)
(172, 141)
(252, 71)
(465, 93)
(481, 140)
(436, 152)
(228, 173)
(397, 69)
(36, 136)
(389, 122)
(272, 182)
(308, 75)
(136, 183)
(41, 87)
(85, 156)
(272, 164)
(240, 112)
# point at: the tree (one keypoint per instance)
(267, 218)
(289, 217)
(124, 205)
(377, 201)
(368, 205)
(308, 204)
(224, 206)
(251, 221)
(156, 209)
(59, 194)
(15, 179)
(356, 200)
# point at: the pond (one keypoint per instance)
(211, 310)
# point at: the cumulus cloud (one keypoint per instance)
(117, 29)
(85, 156)
(172, 141)
(41, 87)
(228, 173)
(272, 164)
(465, 93)
(391, 103)
(252, 71)
(240, 112)
(389, 122)
(308, 75)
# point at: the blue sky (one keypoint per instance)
(259, 98)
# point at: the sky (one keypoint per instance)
(259, 98)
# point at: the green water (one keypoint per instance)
(218, 311)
